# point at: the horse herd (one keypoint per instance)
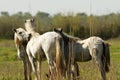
(61, 50)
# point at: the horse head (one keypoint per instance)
(21, 34)
(29, 25)
(21, 38)
(59, 30)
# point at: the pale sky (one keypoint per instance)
(98, 7)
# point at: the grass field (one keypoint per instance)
(11, 68)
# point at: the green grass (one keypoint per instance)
(7, 50)
(115, 49)
(11, 68)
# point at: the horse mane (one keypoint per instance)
(18, 42)
(65, 36)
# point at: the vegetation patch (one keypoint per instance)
(11, 68)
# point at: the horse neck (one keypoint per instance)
(21, 49)
(31, 30)
(34, 34)
(29, 27)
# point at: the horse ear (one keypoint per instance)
(14, 30)
(60, 29)
(54, 29)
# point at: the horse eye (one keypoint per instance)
(20, 33)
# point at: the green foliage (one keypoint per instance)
(80, 24)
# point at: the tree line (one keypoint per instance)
(80, 24)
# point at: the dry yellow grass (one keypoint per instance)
(12, 69)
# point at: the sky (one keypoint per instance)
(95, 7)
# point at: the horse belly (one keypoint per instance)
(35, 49)
(83, 56)
(49, 48)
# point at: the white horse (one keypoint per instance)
(85, 50)
(49, 43)
(21, 43)
(45, 44)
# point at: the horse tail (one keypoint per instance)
(106, 56)
(60, 59)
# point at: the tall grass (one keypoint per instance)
(11, 68)
(7, 50)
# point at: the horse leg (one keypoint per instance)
(51, 66)
(53, 71)
(33, 67)
(29, 69)
(74, 71)
(39, 69)
(25, 70)
(98, 58)
(102, 69)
